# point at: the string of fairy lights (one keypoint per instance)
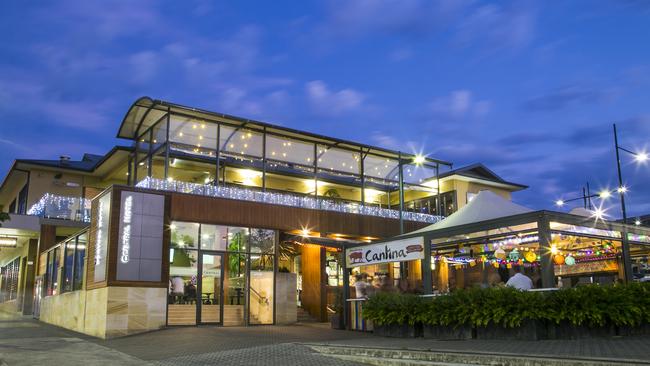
(283, 199)
(524, 251)
(61, 207)
(196, 137)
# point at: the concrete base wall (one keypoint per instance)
(107, 312)
(9, 306)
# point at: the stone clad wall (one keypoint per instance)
(107, 312)
(132, 310)
(65, 310)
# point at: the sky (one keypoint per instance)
(528, 88)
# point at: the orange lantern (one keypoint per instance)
(558, 259)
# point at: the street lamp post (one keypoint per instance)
(625, 247)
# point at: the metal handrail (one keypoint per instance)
(263, 298)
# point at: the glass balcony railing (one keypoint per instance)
(61, 207)
(284, 199)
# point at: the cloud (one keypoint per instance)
(459, 104)
(498, 27)
(568, 96)
(332, 103)
(526, 138)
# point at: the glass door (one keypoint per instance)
(211, 288)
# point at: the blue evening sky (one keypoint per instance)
(530, 89)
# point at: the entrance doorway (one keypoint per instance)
(211, 289)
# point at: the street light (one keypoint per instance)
(640, 157)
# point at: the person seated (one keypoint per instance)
(190, 293)
(520, 281)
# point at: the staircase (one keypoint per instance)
(305, 317)
(233, 315)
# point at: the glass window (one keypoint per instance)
(383, 169)
(240, 142)
(184, 234)
(287, 150)
(79, 260)
(53, 272)
(193, 136)
(9, 280)
(262, 241)
(214, 237)
(237, 239)
(640, 255)
(68, 265)
(333, 159)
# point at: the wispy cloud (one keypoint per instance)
(332, 103)
(459, 104)
(568, 96)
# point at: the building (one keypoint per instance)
(206, 218)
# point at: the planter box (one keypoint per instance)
(530, 330)
(442, 332)
(397, 330)
(643, 329)
(336, 321)
(569, 331)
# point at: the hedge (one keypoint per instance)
(592, 305)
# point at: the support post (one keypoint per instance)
(264, 160)
(218, 154)
(544, 234)
(427, 283)
(363, 179)
(346, 290)
(439, 203)
(167, 145)
(401, 194)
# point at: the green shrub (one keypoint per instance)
(592, 305)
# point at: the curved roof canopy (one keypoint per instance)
(146, 112)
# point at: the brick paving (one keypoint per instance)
(24, 341)
(621, 348)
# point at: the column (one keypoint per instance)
(547, 270)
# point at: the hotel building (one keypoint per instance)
(206, 218)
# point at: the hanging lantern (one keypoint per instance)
(530, 256)
(514, 255)
(500, 253)
(496, 264)
(569, 260)
(558, 259)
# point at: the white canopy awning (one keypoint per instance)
(486, 205)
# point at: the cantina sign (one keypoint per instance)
(392, 251)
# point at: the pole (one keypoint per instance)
(438, 203)
(401, 195)
(627, 262)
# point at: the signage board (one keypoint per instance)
(101, 237)
(140, 236)
(392, 251)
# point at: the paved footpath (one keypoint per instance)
(24, 341)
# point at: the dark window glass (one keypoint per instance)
(68, 265)
(22, 201)
(79, 258)
(52, 274)
(12, 207)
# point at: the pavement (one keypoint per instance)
(24, 341)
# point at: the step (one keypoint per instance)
(391, 356)
(381, 361)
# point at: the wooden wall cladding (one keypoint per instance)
(185, 207)
(47, 238)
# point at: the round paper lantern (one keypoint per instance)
(500, 253)
(530, 256)
(569, 261)
(514, 255)
(558, 259)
